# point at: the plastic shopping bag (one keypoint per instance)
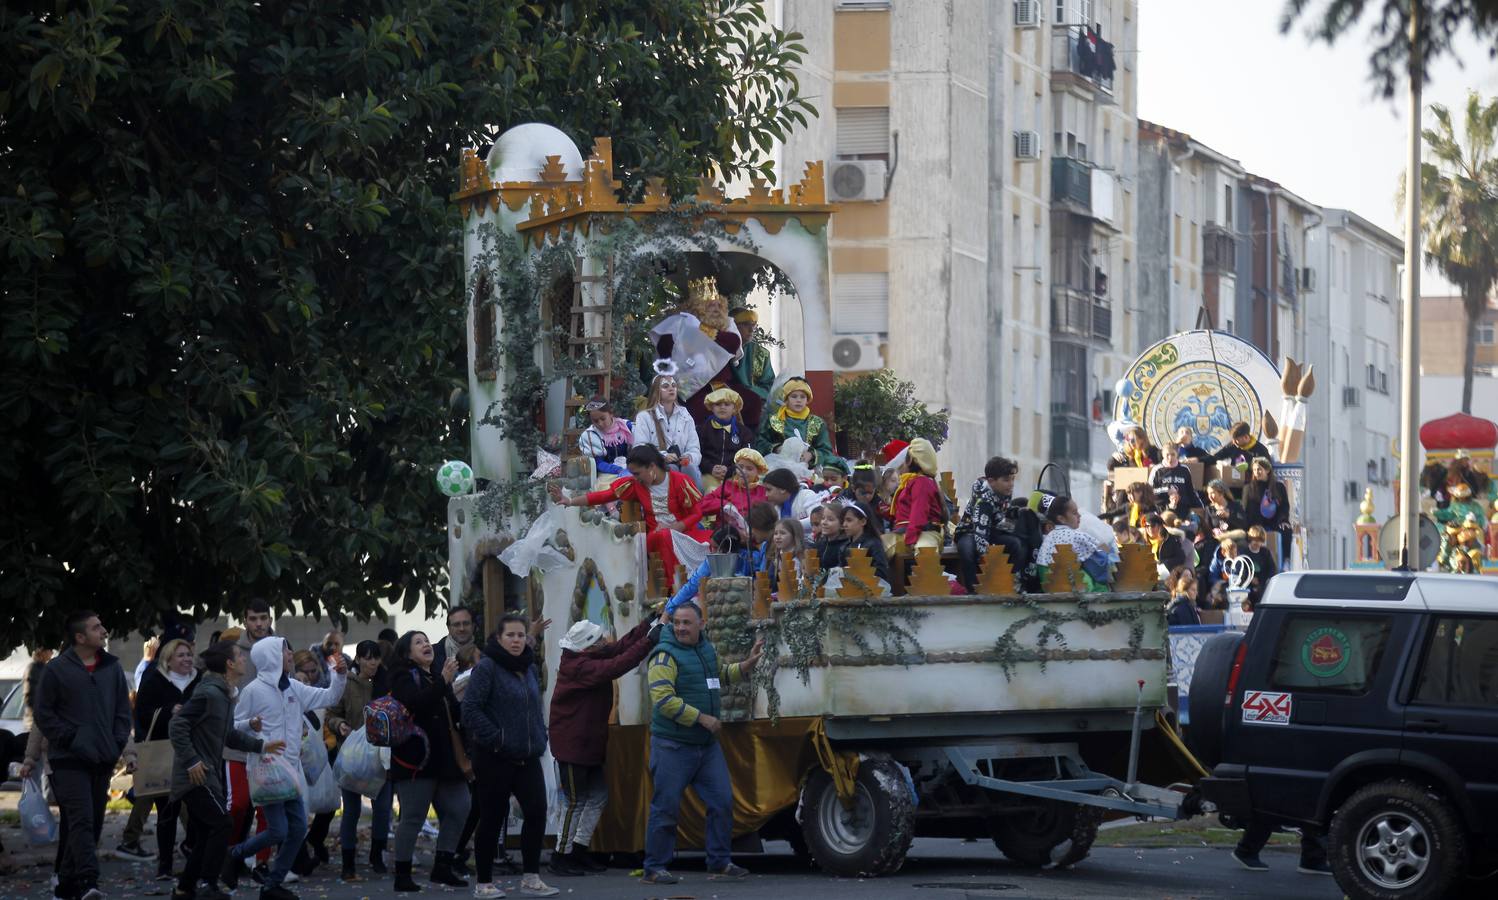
(323, 796)
(273, 779)
(360, 766)
(36, 816)
(314, 754)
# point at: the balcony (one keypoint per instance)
(1071, 440)
(1080, 62)
(1079, 187)
(1219, 250)
(1079, 313)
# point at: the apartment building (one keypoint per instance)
(1188, 236)
(1351, 336)
(983, 156)
(1443, 335)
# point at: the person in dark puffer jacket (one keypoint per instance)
(580, 707)
(506, 737)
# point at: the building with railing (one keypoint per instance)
(987, 248)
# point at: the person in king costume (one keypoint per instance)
(752, 369)
(668, 502)
(795, 418)
(702, 343)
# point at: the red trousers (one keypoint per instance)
(659, 543)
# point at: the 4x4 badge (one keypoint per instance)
(1266, 708)
(1326, 652)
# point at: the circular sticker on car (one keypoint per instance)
(1325, 652)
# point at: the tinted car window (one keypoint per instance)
(14, 703)
(1329, 653)
(1461, 663)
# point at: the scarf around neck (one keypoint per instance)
(180, 682)
(731, 426)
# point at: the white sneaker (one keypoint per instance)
(291, 878)
(533, 886)
(93, 894)
(487, 891)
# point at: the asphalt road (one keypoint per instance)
(935, 870)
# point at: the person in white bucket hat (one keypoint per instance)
(580, 730)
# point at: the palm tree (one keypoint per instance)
(1459, 213)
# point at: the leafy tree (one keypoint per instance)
(1459, 213)
(232, 278)
(1440, 22)
(872, 409)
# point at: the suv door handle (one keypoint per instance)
(1428, 725)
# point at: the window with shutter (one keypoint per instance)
(863, 132)
(860, 303)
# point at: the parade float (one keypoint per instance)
(1208, 381)
(872, 719)
(1459, 492)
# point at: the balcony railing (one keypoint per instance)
(1071, 442)
(1071, 182)
(1219, 250)
(1079, 313)
(1075, 58)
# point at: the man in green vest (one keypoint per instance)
(685, 685)
(752, 369)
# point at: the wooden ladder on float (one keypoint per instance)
(585, 382)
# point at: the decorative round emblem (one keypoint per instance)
(1325, 652)
(1205, 381)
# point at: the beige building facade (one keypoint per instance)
(987, 253)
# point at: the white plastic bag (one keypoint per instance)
(323, 795)
(36, 816)
(273, 779)
(314, 753)
(532, 551)
(360, 766)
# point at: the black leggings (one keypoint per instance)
(210, 838)
(498, 779)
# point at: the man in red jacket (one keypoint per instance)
(580, 708)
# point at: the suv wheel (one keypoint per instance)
(1396, 840)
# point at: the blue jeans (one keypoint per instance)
(285, 825)
(674, 767)
(353, 805)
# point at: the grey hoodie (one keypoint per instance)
(201, 731)
(85, 716)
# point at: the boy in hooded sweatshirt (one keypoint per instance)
(279, 702)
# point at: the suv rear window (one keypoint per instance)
(1340, 587)
(1461, 663)
(1332, 654)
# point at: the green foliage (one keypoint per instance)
(1459, 212)
(871, 409)
(805, 626)
(1049, 619)
(1389, 20)
(233, 310)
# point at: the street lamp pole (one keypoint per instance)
(1409, 372)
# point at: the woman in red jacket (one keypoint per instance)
(667, 501)
(580, 707)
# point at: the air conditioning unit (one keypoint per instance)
(858, 179)
(1308, 279)
(1026, 13)
(1026, 145)
(1351, 397)
(856, 353)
